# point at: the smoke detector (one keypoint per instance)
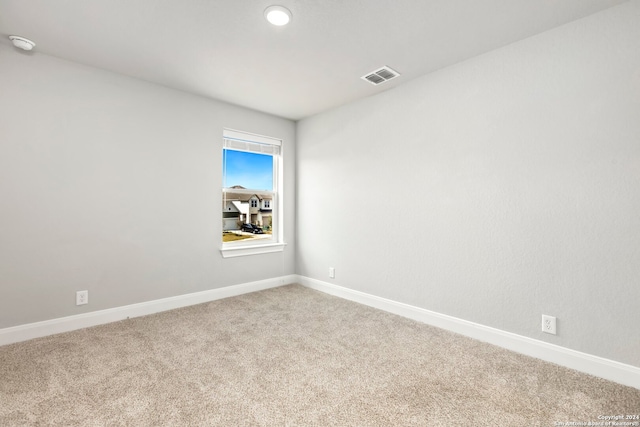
(22, 43)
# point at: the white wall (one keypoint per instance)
(497, 189)
(112, 184)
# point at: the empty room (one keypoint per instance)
(320, 213)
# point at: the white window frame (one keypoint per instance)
(276, 242)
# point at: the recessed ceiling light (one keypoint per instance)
(22, 43)
(277, 15)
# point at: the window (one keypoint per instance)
(251, 194)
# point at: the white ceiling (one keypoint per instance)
(225, 49)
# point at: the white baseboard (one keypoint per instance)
(604, 368)
(94, 318)
(583, 362)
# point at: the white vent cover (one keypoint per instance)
(380, 75)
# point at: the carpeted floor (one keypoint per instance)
(289, 356)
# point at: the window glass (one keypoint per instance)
(250, 188)
(248, 170)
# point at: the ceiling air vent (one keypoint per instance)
(380, 75)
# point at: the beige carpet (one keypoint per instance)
(289, 356)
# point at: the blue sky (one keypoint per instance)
(250, 170)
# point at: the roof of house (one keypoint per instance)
(244, 197)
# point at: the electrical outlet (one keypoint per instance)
(548, 324)
(332, 273)
(82, 297)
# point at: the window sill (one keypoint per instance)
(252, 250)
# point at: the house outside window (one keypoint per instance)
(251, 194)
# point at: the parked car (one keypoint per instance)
(250, 228)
